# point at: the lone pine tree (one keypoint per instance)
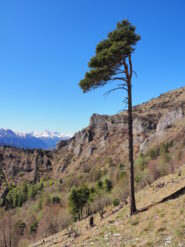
(112, 62)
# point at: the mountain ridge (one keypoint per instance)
(32, 140)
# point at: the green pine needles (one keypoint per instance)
(111, 53)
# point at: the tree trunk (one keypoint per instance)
(131, 160)
(91, 221)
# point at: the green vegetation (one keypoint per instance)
(55, 199)
(77, 200)
(116, 202)
(33, 227)
(154, 164)
(16, 196)
(108, 185)
(51, 207)
(84, 196)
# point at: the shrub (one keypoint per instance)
(108, 185)
(100, 184)
(153, 153)
(123, 190)
(95, 173)
(116, 202)
(20, 227)
(179, 232)
(47, 200)
(123, 174)
(141, 162)
(138, 178)
(110, 162)
(55, 199)
(33, 227)
(153, 172)
(99, 203)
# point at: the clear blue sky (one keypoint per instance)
(45, 46)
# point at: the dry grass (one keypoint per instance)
(162, 225)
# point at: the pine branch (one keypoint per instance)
(135, 73)
(119, 78)
(112, 90)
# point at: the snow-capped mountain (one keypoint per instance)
(36, 139)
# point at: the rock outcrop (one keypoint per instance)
(18, 164)
(167, 121)
(170, 118)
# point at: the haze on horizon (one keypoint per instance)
(45, 49)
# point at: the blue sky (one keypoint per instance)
(45, 46)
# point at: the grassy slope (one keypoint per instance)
(161, 225)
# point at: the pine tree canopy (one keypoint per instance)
(107, 63)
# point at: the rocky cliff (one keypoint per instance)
(156, 121)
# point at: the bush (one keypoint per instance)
(108, 185)
(110, 162)
(55, 199)
(100, 184)
(153, 153)
(138, 178)
(116, 202)
(141, 162)
(123, 174)
(164, 147)
(95, 173)
(33, 227)
(99, 203)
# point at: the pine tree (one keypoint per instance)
(112, 62)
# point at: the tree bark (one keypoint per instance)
(130, 133)
(131, 159)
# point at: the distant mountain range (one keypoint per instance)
(44, 140)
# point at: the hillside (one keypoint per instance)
(156, 121)
(35, 184)
(161, 225)
(159, 120)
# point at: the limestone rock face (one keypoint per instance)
(142, 125)
(99, 122)
(61, 144)
(167, 120)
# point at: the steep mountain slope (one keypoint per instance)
(44, 140)
(105, 139)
